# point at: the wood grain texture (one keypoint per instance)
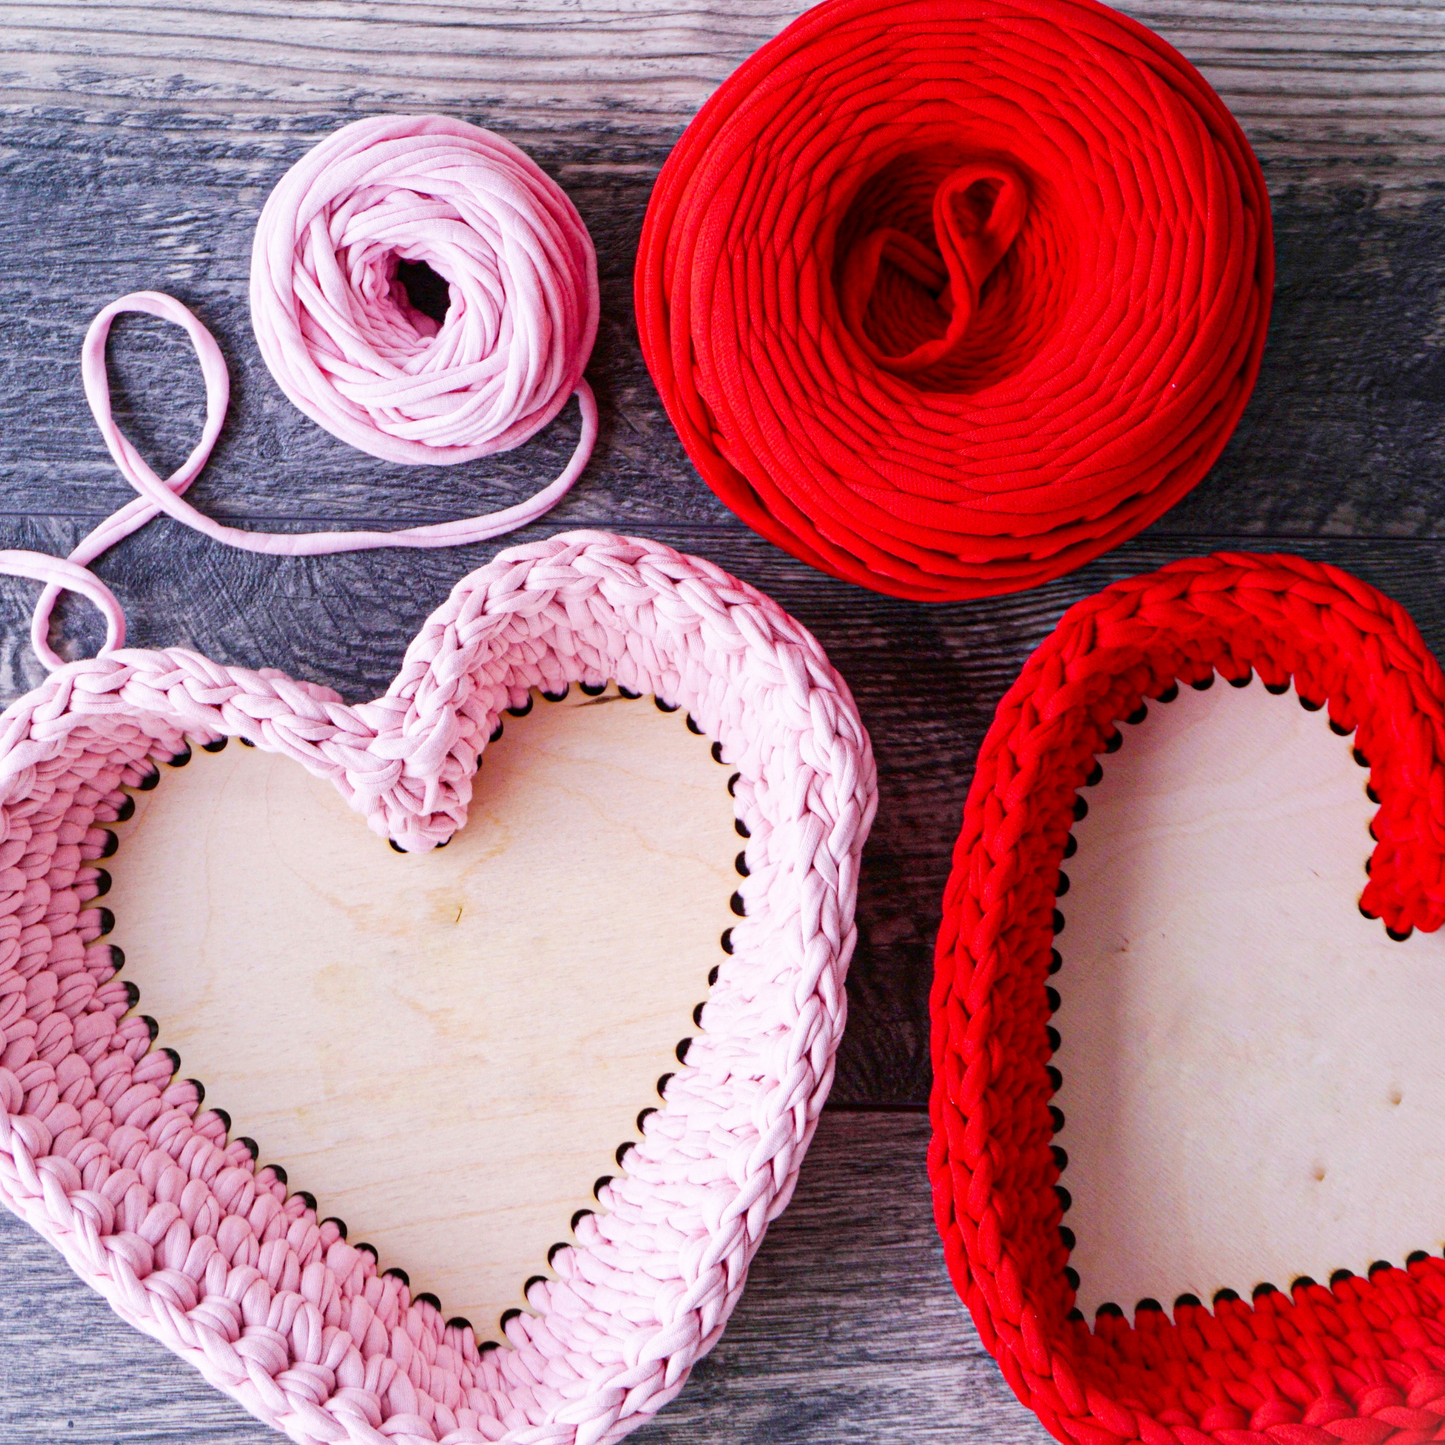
(137, 145)
(446, 1050)
(848, 1331)
(1347, 89)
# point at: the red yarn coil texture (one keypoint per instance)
(947, 297)
(1362, 1361)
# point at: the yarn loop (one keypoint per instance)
(948, 299)
(344, 341)
(157, 496)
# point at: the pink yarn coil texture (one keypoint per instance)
(118, 1166)
(348, 347)
(341, 336)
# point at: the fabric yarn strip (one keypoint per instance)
(337, 327)
(157, 496)
(1360, 1361)
(947, 299)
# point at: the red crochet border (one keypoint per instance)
(1362, 1361)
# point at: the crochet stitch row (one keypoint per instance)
(1362, 1361)
(112, 1160)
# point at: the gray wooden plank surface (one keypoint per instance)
(1338, 454)
(849, 1331)
(1333, 90)
(137, 145)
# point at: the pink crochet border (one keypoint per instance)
(112, 1160)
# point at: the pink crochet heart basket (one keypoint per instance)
(110, 1158)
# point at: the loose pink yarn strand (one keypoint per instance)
(157, 496)
(72, 574)
(512, 349)
(162, 496)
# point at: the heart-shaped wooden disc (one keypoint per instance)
(1362, 1360)
(109, 1157)
(447, 1049)
(1252, 1084)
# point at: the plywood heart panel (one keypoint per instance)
(1253, 1087)
(446, 1049)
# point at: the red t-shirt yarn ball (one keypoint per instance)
(947, 297)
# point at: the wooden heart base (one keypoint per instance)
(1253, 1087)
(448, 1049)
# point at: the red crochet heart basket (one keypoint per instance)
(1362, 1361)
